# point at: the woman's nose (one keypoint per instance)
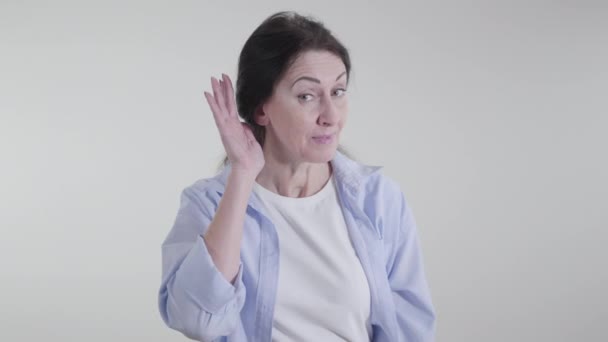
(329, 114)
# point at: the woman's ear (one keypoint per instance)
(260, 117)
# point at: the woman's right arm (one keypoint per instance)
(223, 238)
(202, 292)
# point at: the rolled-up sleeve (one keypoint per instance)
(411, 294)
(194, 297)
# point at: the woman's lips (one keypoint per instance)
(324, 139)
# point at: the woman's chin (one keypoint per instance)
(322, 155)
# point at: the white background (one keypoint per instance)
(493, 116)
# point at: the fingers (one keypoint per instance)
(222, 101)
(218, 94)
(214, 108)
(230, 101)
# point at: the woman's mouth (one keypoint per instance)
(324, 139)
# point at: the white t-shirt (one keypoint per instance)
(323, 294)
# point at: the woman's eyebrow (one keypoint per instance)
(312, 79)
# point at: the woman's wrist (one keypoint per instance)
(242, 177)
(244, 174)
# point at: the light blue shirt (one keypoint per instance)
(195, 298)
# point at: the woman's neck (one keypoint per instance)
(293, 179)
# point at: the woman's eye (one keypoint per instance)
(305, 97)
(339, 92)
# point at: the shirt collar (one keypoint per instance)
(350, 173)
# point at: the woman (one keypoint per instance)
(292, 240)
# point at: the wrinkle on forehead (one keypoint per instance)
(322, 65)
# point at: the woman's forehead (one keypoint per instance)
(322, 65)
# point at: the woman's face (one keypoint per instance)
(307, 110)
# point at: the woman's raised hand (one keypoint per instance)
(244, 152)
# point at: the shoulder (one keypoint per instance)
(382, 187)
(383, 200)
(369, 185)
(205, 192)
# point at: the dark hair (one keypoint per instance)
(269, 52)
